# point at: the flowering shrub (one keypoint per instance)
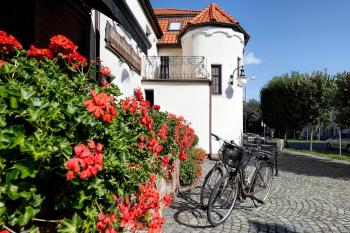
(70, 153)
(191, 168)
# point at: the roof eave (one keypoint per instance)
(148, 10)
(198, 25)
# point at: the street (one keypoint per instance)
(317, 146)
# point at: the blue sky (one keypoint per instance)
(286, 35)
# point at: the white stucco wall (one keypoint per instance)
(125, 77)
(187, 99)
(221, 46)
(169, 51)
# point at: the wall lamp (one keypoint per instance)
(240, 74)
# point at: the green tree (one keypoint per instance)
(342, 99)
(290, 102)
(252, 116)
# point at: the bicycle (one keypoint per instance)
(214, 174)
(237, 181)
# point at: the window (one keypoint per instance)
(150, 96)
(174, 26)
(216, 79)
(164, 67)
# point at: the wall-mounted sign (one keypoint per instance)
(117, 44)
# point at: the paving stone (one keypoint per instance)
(310, 195)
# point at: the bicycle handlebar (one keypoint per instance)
(217, 138)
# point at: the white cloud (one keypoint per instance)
(250, 59)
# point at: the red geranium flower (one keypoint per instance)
(104, 70)
(101, 105)
(105, 223)
(39, 53)
(8, 43)
(61, 44)
(156, 107)
(76, 59)
(167, 199)
(88, 160)
(138, 94)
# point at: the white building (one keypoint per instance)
(123, 34)
(196, 72)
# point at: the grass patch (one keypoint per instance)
(329, 156)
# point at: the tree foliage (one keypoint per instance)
(289, 102)
(342, 99)
(252, 116)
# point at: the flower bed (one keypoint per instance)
(74, 156)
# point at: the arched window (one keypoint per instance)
(125, 86)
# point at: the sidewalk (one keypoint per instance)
(312, 194)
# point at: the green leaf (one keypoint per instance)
(26, 94)
(29, 213)
(70, 226)
(25, 171)
(13, 102)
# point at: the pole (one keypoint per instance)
(339, 141)
(245, 111)
(276, 167)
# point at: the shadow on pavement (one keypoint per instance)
(269, 227)
(189, 210)
(190, 213)
(312, 166)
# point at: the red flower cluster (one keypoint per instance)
(167, 199)
(101, 105)
(104, 70)
(8, 43)
(156, 107)
(106, 73)
(88, 161)
(151, 144)
(146, 120)
(129, 105)
(134, 217)
(138, 94)
(105, 224)
(155, 147)
(165, 161)
(184, 136)
(162, 132)
(39, 54)
(61, 44)
(200, 156)
(76, 60)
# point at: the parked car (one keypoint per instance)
(252, 138)
(333, 142)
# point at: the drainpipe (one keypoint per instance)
(97, 41)
(210, 119)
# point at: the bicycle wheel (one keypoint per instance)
(210, 180)
(262, 183)
(222, 199)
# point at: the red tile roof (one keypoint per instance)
(211, 14)
(171, 11)
(170, 37)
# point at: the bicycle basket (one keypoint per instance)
(231, 155)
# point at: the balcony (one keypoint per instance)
(175, 68)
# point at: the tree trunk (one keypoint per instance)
(307, 133)
(311, 137)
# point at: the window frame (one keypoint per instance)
(175, 22)
(218, 84)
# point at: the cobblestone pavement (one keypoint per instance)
(311, 195)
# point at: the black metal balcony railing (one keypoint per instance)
(173, 67)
